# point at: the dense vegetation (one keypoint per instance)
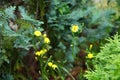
(59, 39)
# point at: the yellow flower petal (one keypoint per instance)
(44, 35)
(41, 52)
(90, 56)
(74, 28)
(46, 40)
(50, 64)
(54, 66)
(37, 53)
(91, 46)
(37, 33)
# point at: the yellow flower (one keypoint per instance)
(50, 64)
(90, 56)
(41, 52)
(91, 46)
(37, 53)
(46, 40)
(74, 28)
(54, 66)
(37, 33)
(44, 35)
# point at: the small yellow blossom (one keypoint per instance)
(37, 33)
(74, 28)
(90, 56)
(41, 52)
(46, 40)
(91, 46)
(50, 64)
(54, 66)
(37, 53)
(44, 35)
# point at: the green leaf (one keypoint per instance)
(10, 12)
(26, 17)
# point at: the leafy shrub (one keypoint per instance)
(106, 64)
